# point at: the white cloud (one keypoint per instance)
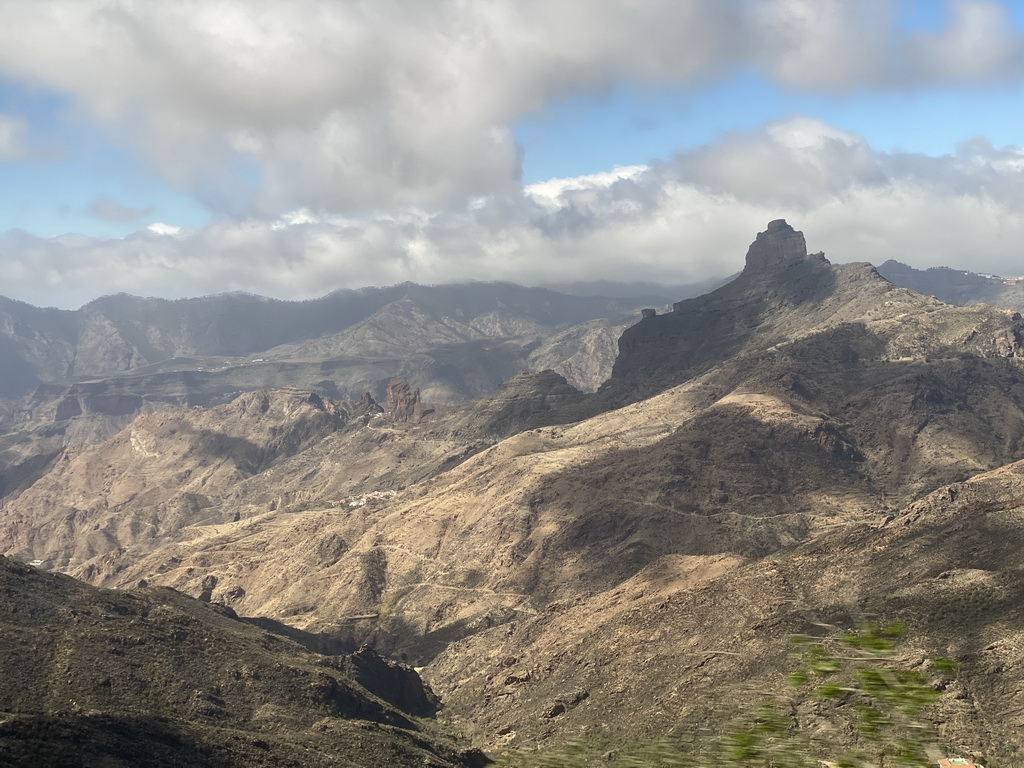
(980, 42)
(159, 228)
(830, 44)
(338, 106)
(679, 221)
(350, 143)
(549, 193)
(790, 163)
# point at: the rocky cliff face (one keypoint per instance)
(526, 401)
(403, 403)
(777, 248)
(784, 293)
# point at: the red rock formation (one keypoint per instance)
(403, 402)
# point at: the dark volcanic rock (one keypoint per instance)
(525, 401)
(396, 684)
(367, 405)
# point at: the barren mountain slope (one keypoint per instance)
(179, 474)
(789, 412)
(688, 642)
(880, 398)
(95, 677)
(165, 470)
(785, 294)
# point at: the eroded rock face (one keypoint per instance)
(403, 402)
(169, 465)
(367, 405)
(778, 246)
(396, 684)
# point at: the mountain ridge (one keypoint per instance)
(957, 286)
(807, 445)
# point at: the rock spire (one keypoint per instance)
(777, 247)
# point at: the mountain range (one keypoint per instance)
(809, 446)
(456, 341)
(957, 286)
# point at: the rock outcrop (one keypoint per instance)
(525, 401)
(778, 247)
(785, 292)
(403, 403)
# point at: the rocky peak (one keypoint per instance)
(777, 247)
(286, 401)
(403, 402)
(367, 405)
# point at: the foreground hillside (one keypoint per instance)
(807, 446)
(151, 677)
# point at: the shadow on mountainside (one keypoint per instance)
(816, 434)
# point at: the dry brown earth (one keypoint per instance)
(638, 556)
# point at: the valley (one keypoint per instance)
(616, 543)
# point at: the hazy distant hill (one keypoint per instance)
(453, 341)
(957, 286)
(638, 288)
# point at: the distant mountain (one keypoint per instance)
(638, 289)
(956, 286)
(123, 354)
(77, 378)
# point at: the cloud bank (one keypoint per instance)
(347, 143)
(682, 220)
(259, 107)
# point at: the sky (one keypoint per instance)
(291, 148)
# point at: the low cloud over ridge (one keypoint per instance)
(683, 220)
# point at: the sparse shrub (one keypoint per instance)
(870, 696)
